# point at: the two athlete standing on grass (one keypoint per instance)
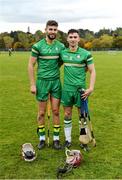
(49, 53)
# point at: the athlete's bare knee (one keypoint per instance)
(67, 114)
(55, 112)
(40, 116)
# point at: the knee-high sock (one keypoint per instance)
(56, 130)
(41, 132)
(68, 128)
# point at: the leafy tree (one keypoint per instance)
(88, 45)
(118, 31)
(106, 41)
(23, 38)
(8, 41)
(2, 44)
(89, 36)
(81, 42)
(14, 34)
(81, 33)
(85, 33)
(31, 38)
(17, 45)
(96, 44)
(117, 42)
(39, 35)
(61, 36)
(102, 32)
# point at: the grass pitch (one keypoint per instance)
(18, 111)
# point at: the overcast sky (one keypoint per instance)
(80, 14)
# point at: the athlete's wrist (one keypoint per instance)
(91, 89)
(32, 85)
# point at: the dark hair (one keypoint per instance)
(73, 31)
(51, 23)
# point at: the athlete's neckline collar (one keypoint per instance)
(73, 51)
(50, 43)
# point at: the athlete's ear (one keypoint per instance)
(79, 39)
(67, 38)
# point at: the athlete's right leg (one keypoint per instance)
(42, 97)
(41, 123)
(67, 102)
(67, 125)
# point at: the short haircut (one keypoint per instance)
(73, 31)
(51, 23)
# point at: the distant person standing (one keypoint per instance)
(10, 51)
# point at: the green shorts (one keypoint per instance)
(44, 87)
(70, 98)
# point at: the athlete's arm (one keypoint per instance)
(31, 64)
(60, 62)
(91, 70)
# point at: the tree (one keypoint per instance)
(2, 44)
(118, 31)
(96, 44)
(8, 41)
(88, 45)
(23, 38)
(17, 45)
(81, 42)
(14, 34)
(38, 35)
(117, 42)
(31, 38)
(87, 34)
(106, 41)
(61, 36)
(102, 32)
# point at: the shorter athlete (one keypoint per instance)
(75, 60)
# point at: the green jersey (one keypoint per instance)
(75, 64)
(47, 58)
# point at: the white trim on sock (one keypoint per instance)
(55, 138)
(42, 138)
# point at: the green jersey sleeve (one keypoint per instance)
(60, 62)
(89, 59)
(34, 51)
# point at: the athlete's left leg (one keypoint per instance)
(56, 121)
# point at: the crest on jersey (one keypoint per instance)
(56, 49)
(70, 58)
(78, 56)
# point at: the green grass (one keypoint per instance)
(18, 110)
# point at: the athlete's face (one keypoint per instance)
(51, 32)
(73, 39)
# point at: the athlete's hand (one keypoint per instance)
(86, 93)
(33, 89)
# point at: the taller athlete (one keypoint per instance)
(76, 60)
(46, 54)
